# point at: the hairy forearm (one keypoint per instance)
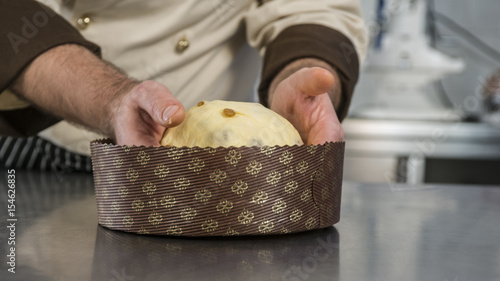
(72, 83)
(335, 93)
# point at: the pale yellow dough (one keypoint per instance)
(227, 123)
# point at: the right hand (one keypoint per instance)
(140, 116)
(95, 94)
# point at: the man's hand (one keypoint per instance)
(70, 82)
(303, 99)
(143, 113)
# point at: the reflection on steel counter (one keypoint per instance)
(119, 255)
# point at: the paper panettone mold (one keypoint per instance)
(217, 191)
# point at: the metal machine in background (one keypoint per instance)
(404, 126)
(402, 62)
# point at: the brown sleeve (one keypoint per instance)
(312, 41)
(28, 29)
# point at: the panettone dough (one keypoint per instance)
(226, 123)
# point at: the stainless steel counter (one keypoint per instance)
(386, 233)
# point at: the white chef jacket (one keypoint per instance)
(227, 39)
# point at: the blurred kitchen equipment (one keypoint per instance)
(491, 93)
(402, 61)
(406, 125)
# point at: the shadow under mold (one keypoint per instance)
(307, 255)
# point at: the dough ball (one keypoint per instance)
(227, 123)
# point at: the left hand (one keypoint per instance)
(302, 98)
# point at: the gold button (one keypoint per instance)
(182, 45)
(83, 22)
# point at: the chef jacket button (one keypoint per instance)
(83, 22)
(182, 45)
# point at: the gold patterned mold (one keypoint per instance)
(182, 191)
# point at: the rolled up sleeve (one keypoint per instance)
(332, 31)
(28, 29)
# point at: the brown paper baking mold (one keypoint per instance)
(217, 191)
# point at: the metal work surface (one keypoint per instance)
(385, 233)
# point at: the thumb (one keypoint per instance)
(313, 81)
(158, 102)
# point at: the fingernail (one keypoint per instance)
(169, 112)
